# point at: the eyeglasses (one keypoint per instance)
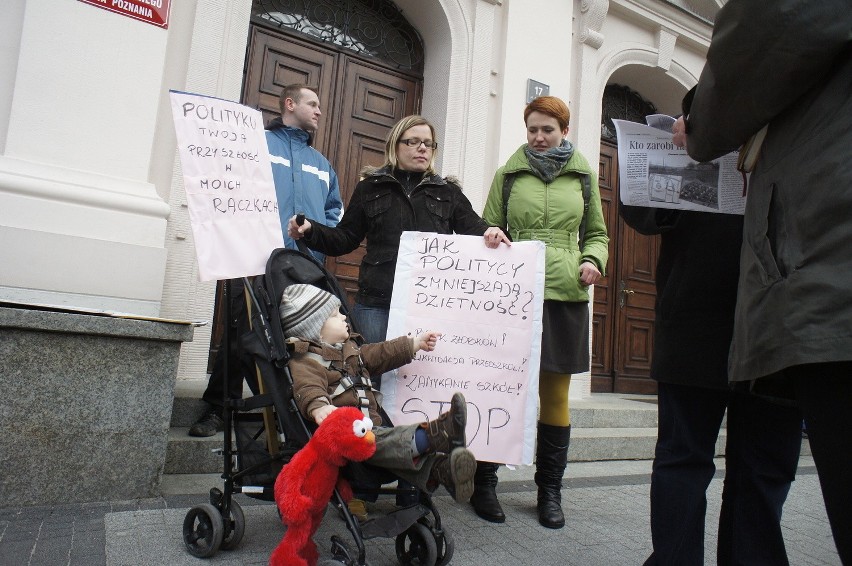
(417, 142)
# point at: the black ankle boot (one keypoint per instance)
(550, 461)
(484, 498)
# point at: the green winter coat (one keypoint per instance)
(552, 213)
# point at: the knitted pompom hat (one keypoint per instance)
(304, 310)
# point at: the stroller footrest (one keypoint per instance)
(394, 523)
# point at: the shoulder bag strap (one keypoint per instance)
(587, 195)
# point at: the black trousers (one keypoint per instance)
(241, 367)
(762, 453)
(824, 393)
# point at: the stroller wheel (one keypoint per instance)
(203, 530)
(446, 547)
(340, 552)
(417, 546)
(444, 542)
(237, 527)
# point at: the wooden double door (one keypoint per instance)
(360, 99)
(623, 314)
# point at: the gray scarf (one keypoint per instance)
(547, 165)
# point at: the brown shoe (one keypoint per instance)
(447, 431)
(358, 508)
(455, 472)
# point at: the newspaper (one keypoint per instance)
(654, 172)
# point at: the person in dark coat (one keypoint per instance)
(696, 279)
(784, 68)
(405, 193)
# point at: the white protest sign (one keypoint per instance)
(233, 208)
(487, 303)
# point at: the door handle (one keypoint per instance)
(623, 293)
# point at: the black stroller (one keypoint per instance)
(268, 430)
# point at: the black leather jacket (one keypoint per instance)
(380, 210)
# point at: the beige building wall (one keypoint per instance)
(81, 224)
(208, 50)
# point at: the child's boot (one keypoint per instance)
(447, 431)
(455, 472)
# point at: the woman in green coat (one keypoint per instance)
(553, 197)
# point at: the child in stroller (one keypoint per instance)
(330, 370)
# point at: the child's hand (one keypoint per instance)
(321, 413)
(427, 341)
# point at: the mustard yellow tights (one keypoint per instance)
(553, 398)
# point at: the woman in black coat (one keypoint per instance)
(405, 193)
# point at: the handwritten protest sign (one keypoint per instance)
(487, 303)
(233, 208)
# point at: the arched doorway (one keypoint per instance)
(366, 62)
(623, 314)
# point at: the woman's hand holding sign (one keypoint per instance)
(494, 236)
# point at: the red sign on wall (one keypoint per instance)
(151, 11)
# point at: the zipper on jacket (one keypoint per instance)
(546, 205)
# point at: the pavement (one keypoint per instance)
(606, 507)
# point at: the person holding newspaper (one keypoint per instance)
(784, 69)
(696, 281)
(548, 191)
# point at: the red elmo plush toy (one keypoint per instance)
(305, 484)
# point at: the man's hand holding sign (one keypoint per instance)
(487, 304)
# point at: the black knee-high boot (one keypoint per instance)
(550, 461)
(484, 498)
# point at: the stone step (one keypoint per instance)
(188, 406)
(188, 455)
(612, 410)
(604, 427)
(601, 410)
(608, 443)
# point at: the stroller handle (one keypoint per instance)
(302, 246)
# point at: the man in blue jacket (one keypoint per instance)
(305, 183)
(304, 179)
